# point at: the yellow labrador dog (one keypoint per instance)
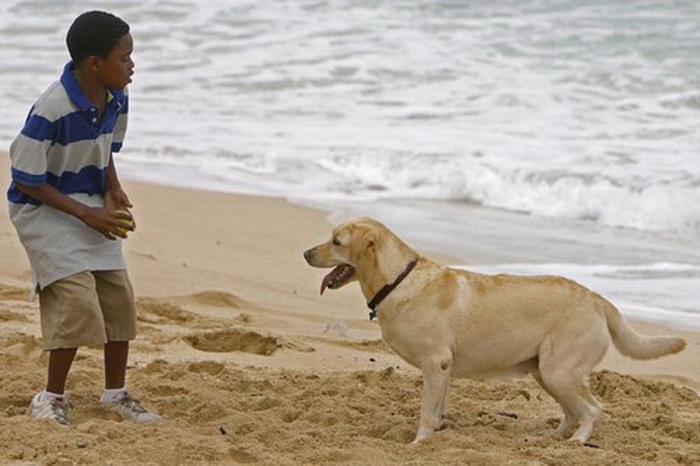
(449, 322)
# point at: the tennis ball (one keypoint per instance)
(128, 224)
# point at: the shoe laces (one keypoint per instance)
(127, 401)
(60, 408)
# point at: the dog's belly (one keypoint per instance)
(505, 354)
(476, 365)
(480, 370)
(497, 353)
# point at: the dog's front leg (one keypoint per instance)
(436, 381)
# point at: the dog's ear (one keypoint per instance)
(369, 240)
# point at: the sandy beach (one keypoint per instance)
(249, 365)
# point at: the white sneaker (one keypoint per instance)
(50, 408)
(131, 409)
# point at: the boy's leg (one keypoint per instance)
(116, 297)
(60, 361)
(116, 356)
(70, 318)
(119, 310)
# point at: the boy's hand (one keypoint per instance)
(112, 220)
(111, 223)
(116, 199)
(118, 202)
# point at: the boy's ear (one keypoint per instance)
(92, 62)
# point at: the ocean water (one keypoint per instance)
(528, 137)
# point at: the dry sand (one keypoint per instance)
(249, 365)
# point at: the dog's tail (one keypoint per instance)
(634, 345)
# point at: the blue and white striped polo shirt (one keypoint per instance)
(63, 143)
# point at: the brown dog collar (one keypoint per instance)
(386, 289)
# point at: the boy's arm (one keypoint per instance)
(115, 197)
(108, 222)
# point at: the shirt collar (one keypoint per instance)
(76, 94)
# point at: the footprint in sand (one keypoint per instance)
(22, 346)
(219, 299)
(13, 293)
(7, 315)
(370, 346)
(234, 340)
(171, 310)
(156, 311)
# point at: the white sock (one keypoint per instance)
(50, 396)
(110, 394)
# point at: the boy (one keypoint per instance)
(69, 208)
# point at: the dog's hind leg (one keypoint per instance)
(436, 382)
(564, 370)
(571, 390)
(569, 418)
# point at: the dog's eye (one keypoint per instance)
(336, 242)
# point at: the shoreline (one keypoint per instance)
(623, 265)
(249, 364)
(204, 251)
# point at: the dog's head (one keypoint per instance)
(352, 247)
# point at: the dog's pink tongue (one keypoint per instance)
(330, 279)
(326, 282)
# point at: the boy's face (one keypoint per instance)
(115, 71)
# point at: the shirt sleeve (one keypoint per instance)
(120, 127)
(29, 150)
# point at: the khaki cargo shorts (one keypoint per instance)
(88, 309)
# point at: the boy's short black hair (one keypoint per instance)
(94, 33)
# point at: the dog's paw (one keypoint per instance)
(422, 437)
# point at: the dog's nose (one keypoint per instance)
(307, 255)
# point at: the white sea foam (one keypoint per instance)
(571, 109)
